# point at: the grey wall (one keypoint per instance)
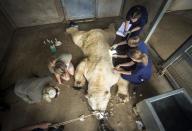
(38, 12)
(33, 12)
(6, 31)
(152, 6)
(180, 5)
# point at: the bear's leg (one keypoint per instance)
(122, 93)
(80, 80)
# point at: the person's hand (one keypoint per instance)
(114, 46)
(118, 66)
(115, 70)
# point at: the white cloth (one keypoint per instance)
(30, 90)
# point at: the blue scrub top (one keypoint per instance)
(142, 47)
(142, 20)
(141, 73)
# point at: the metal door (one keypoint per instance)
(179, 66)
(78, 9)
(85, 9)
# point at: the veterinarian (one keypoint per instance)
(131, 43)
(35, 90)
(143, 70)
(137, 16)
(62, 67)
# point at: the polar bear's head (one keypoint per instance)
(98, 100)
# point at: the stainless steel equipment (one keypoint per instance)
(171, 111)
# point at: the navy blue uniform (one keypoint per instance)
(142, 47)
(124, 49)
(140, 74)
(140, 22)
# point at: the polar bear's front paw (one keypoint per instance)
(122, 98)
(79, 84)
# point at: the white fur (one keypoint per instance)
(97, 67)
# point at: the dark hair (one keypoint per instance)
(136, 13)
(60, 67)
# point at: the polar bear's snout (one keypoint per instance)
(99, 100)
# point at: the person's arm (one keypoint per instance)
(135, 29)
(120, 43)
(57, 76)
(122, 71)
(71, 69)
(120, 56)
(126, 64)
(51, 66)
(126, 24)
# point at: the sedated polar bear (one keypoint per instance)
(97, 68)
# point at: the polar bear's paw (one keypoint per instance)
(79, 84)
(122, 98)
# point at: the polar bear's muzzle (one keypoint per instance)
(99, 101)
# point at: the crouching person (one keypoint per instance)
(35, 90)
(62, 68)
(142, 71)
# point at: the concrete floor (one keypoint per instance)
(172, 31)
(27, 55)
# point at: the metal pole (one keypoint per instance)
(158, 18)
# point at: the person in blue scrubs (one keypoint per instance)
(123, 47)
(137, 16)
(143, 70)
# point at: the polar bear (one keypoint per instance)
(97, 68)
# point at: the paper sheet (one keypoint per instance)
(121, 32)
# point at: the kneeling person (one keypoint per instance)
(35, 90)
(131, 43)
(143, 70)
(62, 68)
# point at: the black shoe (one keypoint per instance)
(73, 24)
